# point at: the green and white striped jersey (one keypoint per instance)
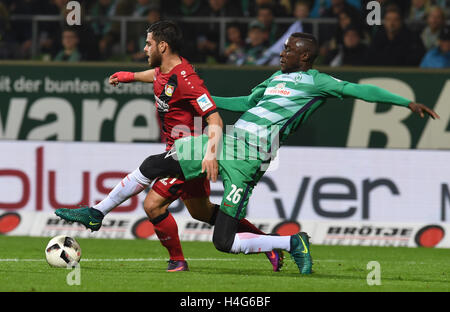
(274, 110)
(280, 104)
(283, 100)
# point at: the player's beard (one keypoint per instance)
(155, 59)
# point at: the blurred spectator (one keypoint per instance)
(435, 23)
(49, 33)
(326, 8)
(346, 17)
(185, 8)
(235, 47)
(328, 31)
(439, 57)
(287, 6)
(352, 51)
(265, 16)
(208, 41)
(246, 7)
(256, 43)
(419, 9)
(272, 55)
(137, 40)
(108, 45)
(338, 6)
(445, 4)
(22, 28)
(402, 5)
(88, 50)
(48, 40)
(70, 52)
(102, 9)
(302, 10)
(220, 8)
(394, 44)
(250, 8)
(7, 45)
(441, 3)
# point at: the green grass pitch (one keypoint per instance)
(139, 265)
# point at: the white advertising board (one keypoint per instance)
(306, 184)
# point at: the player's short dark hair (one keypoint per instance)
(169, 32)
(313, 45)
(304, 36)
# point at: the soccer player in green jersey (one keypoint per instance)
(273, 111)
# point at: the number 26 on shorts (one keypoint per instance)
(235, 195)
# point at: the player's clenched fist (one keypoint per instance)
(121, 76)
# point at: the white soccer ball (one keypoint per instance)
(62, 250)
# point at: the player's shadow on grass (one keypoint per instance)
(363, 277)
(260, 271)
(147, 268)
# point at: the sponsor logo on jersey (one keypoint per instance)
(168, 89)
(161, 106)
(279, 89)
(204, 102)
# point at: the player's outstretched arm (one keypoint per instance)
(235, 104)
(371, 93)
(241, 103)
(145, 76)
(125, 77)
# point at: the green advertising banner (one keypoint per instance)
(51, 101)
(41, 101)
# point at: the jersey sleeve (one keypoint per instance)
(329, 86)
(371, 93)
(243, 103)
(193, 89)
(235, 104)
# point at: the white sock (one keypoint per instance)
(131, 185)
(255, 243)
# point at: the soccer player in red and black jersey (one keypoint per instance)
(182, 100)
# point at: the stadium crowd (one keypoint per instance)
(412, 33)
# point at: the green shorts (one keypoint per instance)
(239, 175)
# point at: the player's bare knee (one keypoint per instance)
(155, 212)
(153, 208)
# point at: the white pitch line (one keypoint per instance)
(199, 259)
(152, 259)
(121, 260)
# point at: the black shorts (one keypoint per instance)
(161, 166)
